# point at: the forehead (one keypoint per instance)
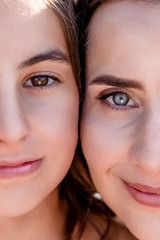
(29, 26)
(124, 16)
(18, 13)
(21, 7)
(121, 32)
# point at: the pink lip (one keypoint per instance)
(144, 194)
(16, 169)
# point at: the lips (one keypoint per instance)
(11, 169)
(144, 194)
(144, 188)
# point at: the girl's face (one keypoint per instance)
(120, 128)
(38, 106)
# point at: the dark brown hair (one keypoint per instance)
(76, 190)
(85, 10)
(65, 12)
(69, 188)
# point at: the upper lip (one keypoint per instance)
(144, 188)
(16, 162)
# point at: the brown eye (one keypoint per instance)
(39, 81)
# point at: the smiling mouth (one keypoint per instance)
(12, 170)
(144, 194)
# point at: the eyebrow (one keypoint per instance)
(117, 82)
(52, 54)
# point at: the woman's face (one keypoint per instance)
(120, 127)
(38, 106)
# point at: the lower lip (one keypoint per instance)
(147, 199)
(20, 170)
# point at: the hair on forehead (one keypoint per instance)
(65, 12)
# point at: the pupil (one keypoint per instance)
(39, 81)
(120, 99)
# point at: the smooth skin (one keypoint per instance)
(36, 122)
(121, 142)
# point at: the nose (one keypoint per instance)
(13, 124)
(145, 149)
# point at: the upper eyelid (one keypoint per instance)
(113, 90)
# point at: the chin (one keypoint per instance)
(146, 236)
(146, 231)
(16, 210)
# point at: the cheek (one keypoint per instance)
(54, 124)
(105, 145)
(55, 112)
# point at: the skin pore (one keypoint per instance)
(39, 119)
(120, 120)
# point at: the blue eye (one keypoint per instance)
(117, 100)
(39, 81)
(120, 98)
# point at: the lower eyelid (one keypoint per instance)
(114, 107)
(113, 90)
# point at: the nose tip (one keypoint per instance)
(13, 125)
(145, 149)
(12, 133)
(146, 157)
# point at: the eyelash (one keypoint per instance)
(51, 80)
(103, 97)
